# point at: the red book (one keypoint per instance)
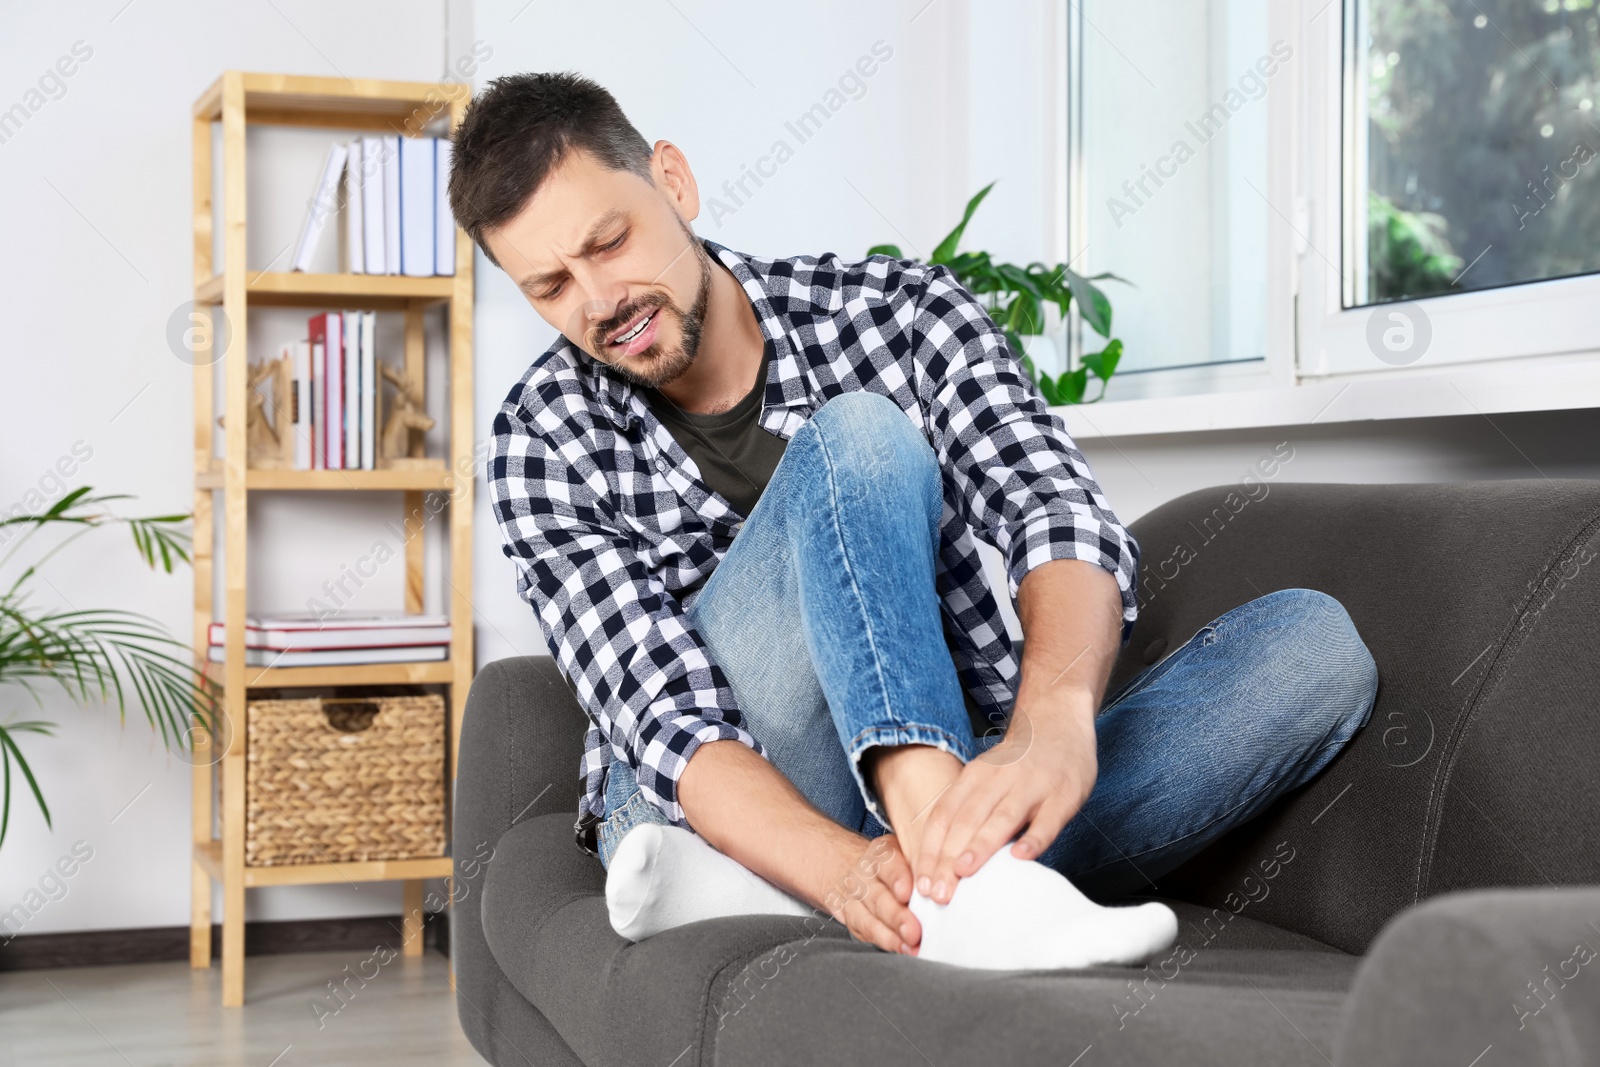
(326, 330)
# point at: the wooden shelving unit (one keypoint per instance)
(236, 100)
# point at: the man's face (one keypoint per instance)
(608, 258)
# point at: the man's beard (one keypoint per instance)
(657, 366)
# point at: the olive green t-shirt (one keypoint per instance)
(735, 455)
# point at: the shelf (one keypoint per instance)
(429, 672)
(238, 100)
(425, 478)
(208, 855)
(298, 289)
(357, 103)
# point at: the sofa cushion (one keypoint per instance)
(700, 987)
(852, 1004)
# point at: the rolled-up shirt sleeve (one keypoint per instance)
(638, 667)
(1021, 483)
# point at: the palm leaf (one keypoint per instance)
(98, 654)
(9, 752)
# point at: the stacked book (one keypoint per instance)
(310, 641)
(392, 194)
(335, 404)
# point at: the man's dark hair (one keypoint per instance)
(518, 130)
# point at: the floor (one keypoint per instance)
(398, 1011)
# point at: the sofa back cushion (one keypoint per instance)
(1480, 603)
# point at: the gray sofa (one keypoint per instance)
(1434, 897)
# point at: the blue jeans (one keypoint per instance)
(824, 617)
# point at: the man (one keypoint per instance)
(743, 496)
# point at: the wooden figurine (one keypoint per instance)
(269, 425)
(405, 417)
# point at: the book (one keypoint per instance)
(444, 226)
(326, 328)
(354, 260)
(319, 426)
(306, 622)
(374, 632)
(300, 353)
(372, 203)
(352, 389)
(369, 390)
(324, 201)
(416, 206)
(391, 204)
(333, 657)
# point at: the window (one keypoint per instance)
(1473, 142)
(1170, 144)
(1307, 191)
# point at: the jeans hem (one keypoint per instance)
(894, 736)
(635, 812)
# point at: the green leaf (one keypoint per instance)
(1025, 317)
(1092, 303)
(1047, 386)
(1072, 384)
(1103, 364)
(892, 251)
(969, 263)
(946, 248)
(1019, 280)
(8, 752)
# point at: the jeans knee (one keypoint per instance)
(1332, 661)
(869, 444)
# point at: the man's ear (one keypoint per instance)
(675, 180)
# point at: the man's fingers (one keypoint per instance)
(895, 915)
(867, 927)
(1043, 829)
(976, 810)
(894, 871)
(1001, 826)
(935, 825)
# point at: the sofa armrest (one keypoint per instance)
(521, 742)
(1516, 969)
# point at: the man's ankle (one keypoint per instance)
(908, 779)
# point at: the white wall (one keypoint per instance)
(720, 80)
(99, 256)
(96, 234)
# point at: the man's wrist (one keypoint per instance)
(830, 865)
(1059, 711)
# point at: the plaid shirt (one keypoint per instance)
(609, 524)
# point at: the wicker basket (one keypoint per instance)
(333, 780)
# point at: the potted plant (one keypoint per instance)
(1016, 297)
(96, 654)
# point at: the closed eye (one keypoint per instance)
(610, 246)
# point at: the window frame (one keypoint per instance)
(1501, 335)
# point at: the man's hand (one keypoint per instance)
(1037, 777)
(1042, 772)
(870, 894)
(745, 808)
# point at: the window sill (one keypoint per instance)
(1545, 384)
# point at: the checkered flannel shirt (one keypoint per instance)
(609, 524)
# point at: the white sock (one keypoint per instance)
(665, 876)
(1020, 915)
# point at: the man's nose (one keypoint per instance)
(603, 299)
